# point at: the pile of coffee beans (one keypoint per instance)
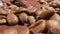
(30, 17)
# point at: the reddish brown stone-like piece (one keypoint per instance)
(29, 3)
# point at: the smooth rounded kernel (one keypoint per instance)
(52, 23)
(31, 9)
(53, 26)
(23, 17)
(38, 27)
(10, 31)
(12, 19)
(55, 17)
(31, 19)
(2, 21)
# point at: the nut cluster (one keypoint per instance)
(30, 17)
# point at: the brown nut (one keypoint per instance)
(2, 21)
(23, 17)
(53, 26)
(14, 7)
(55, 3)
(31, 9)
(38, 27)
(2, 17)
(31, 19)
(12, 19)
(29, 3)
(41, 1)
(55, 17)
(10, 31)
(5, 12)
(22, 9)
(46, 14)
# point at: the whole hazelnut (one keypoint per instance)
(12, 18)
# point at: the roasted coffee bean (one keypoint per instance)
(3, 21)
(53, 26)
(12, 18)
(55, 3)
(38, 27)
(31, 9)
(29, 3)
(41, 1)
(31, 19)
(55, 17)
(22, 9)
(23, 17)
(2, 17)
(14, 7)
(5, 12)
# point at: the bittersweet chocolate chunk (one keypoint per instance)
(29, 3)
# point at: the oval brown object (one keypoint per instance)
(5, 12)
(29, 3)
(31, 19)
(23, 17)
(10, 31)
(12, 19)
(46, 14)
(31, 9)
(2, 17)
(55, 17)
(2, 21)
(38, 27)
(53, 26)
